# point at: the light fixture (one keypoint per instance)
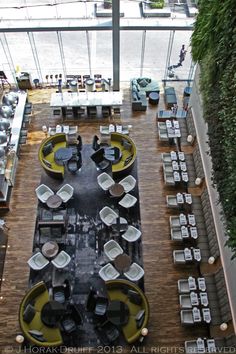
(223, 326)
(211, 260)
(144, 332)
(45, 130)
(198, 181)
(190, 138)
(19, 339)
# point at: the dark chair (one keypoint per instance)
(101, 306)
(75, 163)
(72, 319)
(107, 333)
(95, 144)
(62, 293)
(100, 161)
(91, 301)
(80, 143)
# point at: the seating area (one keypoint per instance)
(46, 155)
(140, 90)
(88, 234)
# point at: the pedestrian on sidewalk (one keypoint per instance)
(182, 55)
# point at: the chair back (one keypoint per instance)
(95, 144)
(98, 155)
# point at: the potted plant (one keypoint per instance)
(107, 4)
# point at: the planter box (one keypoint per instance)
(100, 11)
(146, 11)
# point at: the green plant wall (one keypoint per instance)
(214, 47)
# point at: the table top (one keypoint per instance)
(63, 154)
(118, 313)
(122, 262)
(76, 99)
(50, 249)
(113, 154)
(116, 190)
(54, 201)
(52, 313)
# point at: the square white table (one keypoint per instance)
(206, 315)
(211, 346)
(180, 198)
(181, 156)
(188, 254)
(184, 176)
(192, 283)
(204, 299)
(193, 232)
(188, 198)
(176, 176)
(200, 345)
(183, 166)
(197, 254)
(191, 219)
(182, 219)
(184, 232)
(194, 298)
(201, 284)
(196, 315)
(173, 155)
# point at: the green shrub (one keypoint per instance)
(214, 47)
(157, 4)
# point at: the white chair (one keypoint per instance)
(108, 216)
(61, 260)
(166, 157)
(174, 222)
(43, 192)
(128, 183)
(186, 317)
(37, 261)
(171, 201)
(65, 192)
(167, 167)
(104, 130)
(169, 179)
(178, 256)
(112, 249)
(176, 235)
(128, 201)
(163, 135)
(191, 347)
(162, 126)
(131, 234)
(108, 272)
(183, 286)
(105, 181)
(135, 272)
(185, 302)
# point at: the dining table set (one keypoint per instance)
(194, 301)
(176, 167)
(185, 226)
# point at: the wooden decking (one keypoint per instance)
(161, 275)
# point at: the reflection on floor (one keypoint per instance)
(83, 239)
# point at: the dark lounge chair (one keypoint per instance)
(75, 163)
(107, 332)
(100, 161)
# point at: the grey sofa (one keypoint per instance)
(140, 90)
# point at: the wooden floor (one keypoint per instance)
(161, 275)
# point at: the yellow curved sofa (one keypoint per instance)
(116, 290)
(38, 296)
(47, 161)
(127, 160)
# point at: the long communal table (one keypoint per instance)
(76, 100)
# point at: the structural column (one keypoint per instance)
(116, 43)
